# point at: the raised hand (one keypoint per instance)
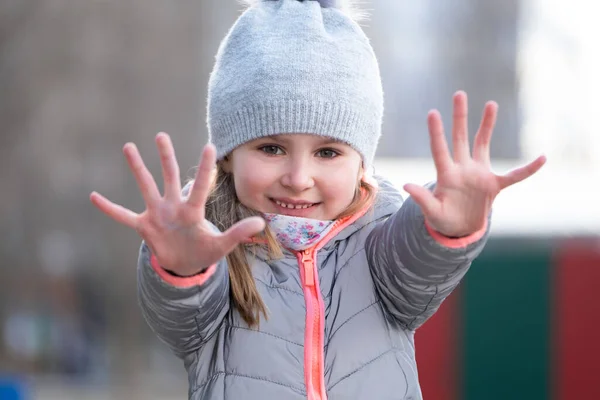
(466, 187)
(175, 228)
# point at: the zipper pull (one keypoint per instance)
(307, 264)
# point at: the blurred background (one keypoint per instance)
(78, 79)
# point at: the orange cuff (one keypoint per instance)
(182, 282)
(456, 243)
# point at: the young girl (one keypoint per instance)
(289, 272)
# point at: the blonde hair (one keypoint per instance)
(223, 209)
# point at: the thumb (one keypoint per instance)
(243, 230)
(423, 197)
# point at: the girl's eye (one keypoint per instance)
(271, 150)
(327, 153)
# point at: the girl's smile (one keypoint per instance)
(295, 208)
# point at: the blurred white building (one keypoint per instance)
(558, 64)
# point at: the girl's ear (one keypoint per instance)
(225, 164)
(367, 174)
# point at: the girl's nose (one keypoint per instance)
(298, 176)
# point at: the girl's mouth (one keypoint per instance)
(294, 208)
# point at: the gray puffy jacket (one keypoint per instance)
(342, 315)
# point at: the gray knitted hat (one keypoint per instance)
(296, 66)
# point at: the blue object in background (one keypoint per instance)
(12, 388)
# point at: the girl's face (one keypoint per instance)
(299, 175)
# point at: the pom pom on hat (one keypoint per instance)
(349, 7)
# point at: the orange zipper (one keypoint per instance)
(312, 353)
(314, 363)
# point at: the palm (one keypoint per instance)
(173, 227)
(466, 187)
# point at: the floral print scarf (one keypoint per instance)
(296, 233)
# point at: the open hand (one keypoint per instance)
(175, 228)
(466, 187)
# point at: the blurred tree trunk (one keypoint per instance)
(428, 50)
(79, 79)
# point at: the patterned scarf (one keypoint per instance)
(297, 233)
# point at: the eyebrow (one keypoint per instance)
(285, 139)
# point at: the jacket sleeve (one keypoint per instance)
(183, 312)
(415, 268)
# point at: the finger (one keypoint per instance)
(142, 176)
(460, 134)
(202, 183)
(424, 198)
(170, 168)
(241, 231)
(481, 145)
(521, 173)
(119, 213)
(437, 139)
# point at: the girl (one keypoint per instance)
(288, 272)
